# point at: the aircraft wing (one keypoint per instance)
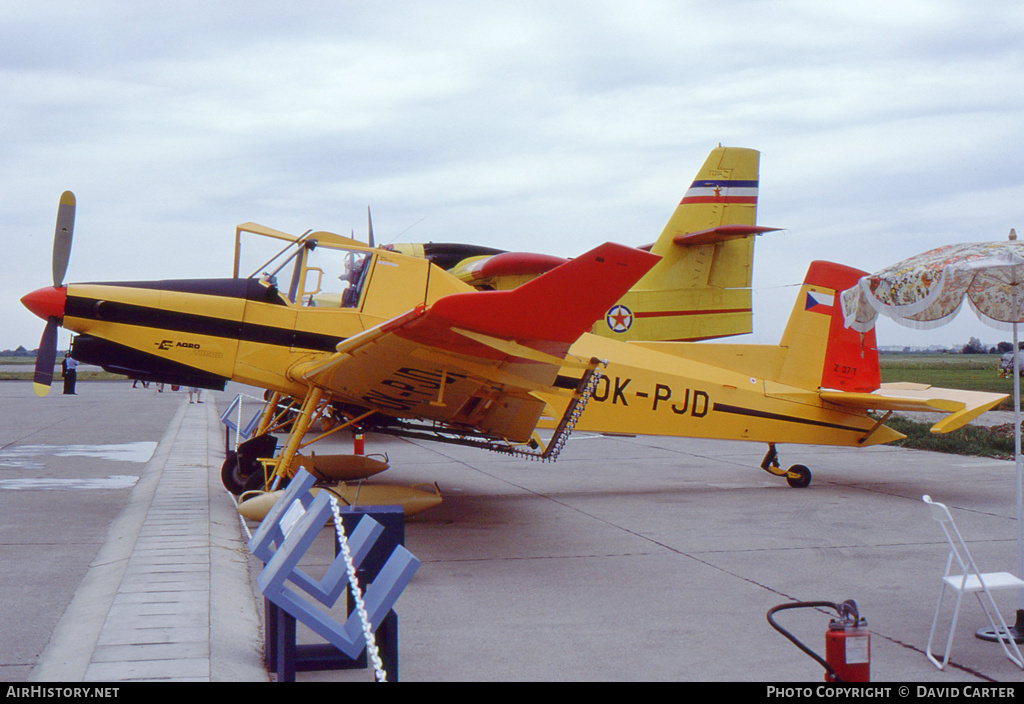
(475, 360)
(961, 406)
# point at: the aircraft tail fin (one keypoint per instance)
(821, 350)
(701, 287)
(724, 192)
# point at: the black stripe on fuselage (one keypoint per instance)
(567, 382)
(246, 289)
(737, 410)
(177, 321)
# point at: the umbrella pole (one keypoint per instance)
(1016, 631)
(1020, 485)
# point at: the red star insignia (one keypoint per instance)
(620, 318)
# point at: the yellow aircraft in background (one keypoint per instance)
(700, 288)
(383, 342)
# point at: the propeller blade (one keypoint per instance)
(369, 224)
(62, 236)
(46, 357)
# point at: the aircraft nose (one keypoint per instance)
(46, 302)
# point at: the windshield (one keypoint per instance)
(309, 272)
(334, 277)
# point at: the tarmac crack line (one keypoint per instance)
(897, 495)
(60, 422)
(874, 633)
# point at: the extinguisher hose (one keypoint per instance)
(847, 608)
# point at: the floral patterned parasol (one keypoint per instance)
(928, 289)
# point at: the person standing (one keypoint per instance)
(70, 372)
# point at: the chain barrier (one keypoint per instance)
(357, 594)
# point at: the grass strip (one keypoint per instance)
(976, 440)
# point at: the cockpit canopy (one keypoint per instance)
(318, 269)
(328, 271)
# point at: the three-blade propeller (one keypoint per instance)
(46, 357)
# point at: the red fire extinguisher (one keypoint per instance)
(357, 443)
(847, 641)
(848, 648)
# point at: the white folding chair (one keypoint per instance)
(970, 580)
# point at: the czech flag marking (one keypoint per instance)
(819, 302)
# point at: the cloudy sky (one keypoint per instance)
(886, 128)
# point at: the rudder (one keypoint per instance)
(820, 350)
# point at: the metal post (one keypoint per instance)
(1016, 631)
(1016, 297)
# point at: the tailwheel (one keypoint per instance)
(798, 476)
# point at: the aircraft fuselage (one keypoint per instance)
(205, 332)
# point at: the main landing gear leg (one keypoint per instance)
(797, 476)
(299, 427)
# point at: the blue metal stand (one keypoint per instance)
(383, 569)
(285, 656)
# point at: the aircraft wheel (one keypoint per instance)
(802, 479)
(230, 476)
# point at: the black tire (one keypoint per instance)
(803, 478)
(240, 466)
(230, 476)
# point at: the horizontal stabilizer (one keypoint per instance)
(721, 234)
(961, 406)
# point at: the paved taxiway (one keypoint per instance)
(628, 559)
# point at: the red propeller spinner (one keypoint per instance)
(46, 302)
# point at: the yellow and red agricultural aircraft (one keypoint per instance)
(377, 341)
(698, 290)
